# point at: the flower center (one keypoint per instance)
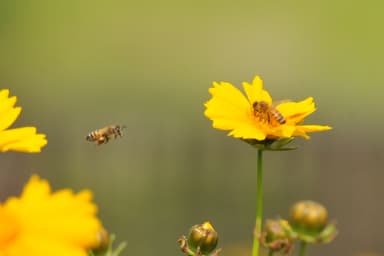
(9, 228)
(266, 113)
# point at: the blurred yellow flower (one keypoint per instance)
(41, 222)
(254, 116)
(22, 139)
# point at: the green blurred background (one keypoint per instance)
(80, 65)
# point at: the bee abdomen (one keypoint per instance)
(279, 117)
(92, 136)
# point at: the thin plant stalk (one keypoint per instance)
(259, 203)
(302, 248)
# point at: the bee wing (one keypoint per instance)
(278, 102)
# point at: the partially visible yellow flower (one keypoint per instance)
(254, 116)
(41, 222)
(22, 139)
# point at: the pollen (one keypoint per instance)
(261, 117)
(267, 116)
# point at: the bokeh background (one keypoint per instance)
(80, 65)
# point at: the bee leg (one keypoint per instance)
(102, 140)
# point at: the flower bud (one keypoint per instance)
(277, 236)
(274, 231)
(202, 238)
(309, 216)
(309, 221)
(103, 241)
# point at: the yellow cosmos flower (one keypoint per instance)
(254, 116)
(22, 139)
(40, 222)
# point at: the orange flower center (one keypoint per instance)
(9, 228)
(267, 114)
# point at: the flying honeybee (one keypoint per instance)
(268, 112)
(103, 135)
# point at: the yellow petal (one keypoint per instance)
(255, 91)
(220, 110)
(5, 102)
(283, 131)
(22, 139)
(4, 94)
(313, 128)
(43, 245)
(301, 130)
(36, 188)
(227, 103)
(229, 94)
(31, 144)
(224, 124)
(248, 131)
(295, 112)
(8, 117)
(9, 227)
(59, 223)
(8, 113)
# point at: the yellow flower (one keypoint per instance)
(41, 222)
(22, 139)
(254, 116)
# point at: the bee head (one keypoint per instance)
(121, 127)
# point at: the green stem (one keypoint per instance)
(259, 203)
(270, 253)
(119, 249)
(302, 248)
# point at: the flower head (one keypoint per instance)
(278, 236)
(22, 139)
(254, 117)
(309, 220)
(202, 240)
(41, 222)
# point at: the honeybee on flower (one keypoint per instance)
(268, 112)
(254, 116)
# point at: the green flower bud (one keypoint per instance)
(309, 221)
(202, 239)
(309, 216)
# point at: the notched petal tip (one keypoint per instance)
(22, 139)
(4, 93)
(8, 118)
(255, 91)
